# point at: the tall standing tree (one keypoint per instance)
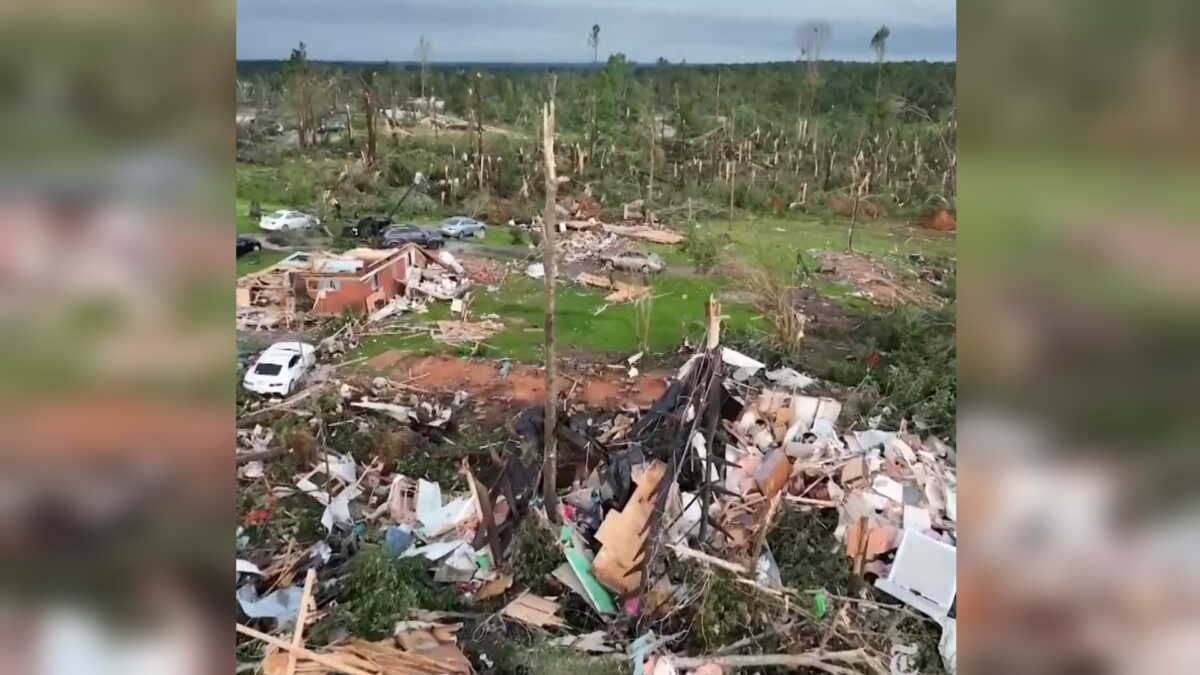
(302, 89)
(811, 39)
(594, 42)
(879, 44)
(477, 105)
(424, 52)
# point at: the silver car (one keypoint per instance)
(462, 226)
(634, 260)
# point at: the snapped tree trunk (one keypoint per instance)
(650, 184)
(549, 229)
(478, 129)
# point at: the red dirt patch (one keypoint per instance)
(942, 220)
(596, 386)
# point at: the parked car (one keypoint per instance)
(247, 244)
(461, 226)
(288, 220)
(634, 260)
(398, 235)
(280, 368)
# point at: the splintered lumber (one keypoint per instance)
(685, 552)
(534, 610)
(460, 332)
(626, 292)
(328, 661)
(622, 534)
(298, 636)
(645, 233)
(819, 660)
(589, 279)
(359, 657)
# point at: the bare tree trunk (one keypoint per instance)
(650, 185)
(853, 214)
(732, 182)
(549, 227)
(349, 128)
(733, 163)
(369, 111)
(479, 129)
(718, 92)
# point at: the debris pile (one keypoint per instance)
(622, 291)
(483, 270)
(586, 245)
(873, 279)
(645, 233)
(649, 497)
(463, 332)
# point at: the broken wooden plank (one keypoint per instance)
(534, 610)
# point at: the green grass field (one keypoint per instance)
(257, 260)
(677, 311)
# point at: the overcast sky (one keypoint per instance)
(701, 31)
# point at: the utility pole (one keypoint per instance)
(549, 227)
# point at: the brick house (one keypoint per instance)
(361, 280)
(326, 284)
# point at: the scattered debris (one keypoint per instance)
(464, 332)
(483, 270)
(643, 233)
(691, 477)
(593, 642)
(534, 610)
(282, 605)
(791, 379)
(875, 280)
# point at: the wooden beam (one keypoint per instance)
(298, 635)
(323, 659)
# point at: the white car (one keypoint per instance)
(288, 220)
(461, 226)
(280, 368)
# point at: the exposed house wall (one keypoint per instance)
(352, 292)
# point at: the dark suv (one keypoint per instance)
(398, 235)
(246, 245)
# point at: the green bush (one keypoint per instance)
(382, 590)
(703, 248)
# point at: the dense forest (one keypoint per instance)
(764, 137)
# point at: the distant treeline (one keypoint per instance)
(767, 136)
(774, 89)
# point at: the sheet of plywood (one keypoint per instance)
(534, 610)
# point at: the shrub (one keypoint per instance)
(382, 590)
(703, 248)
(769, 282)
